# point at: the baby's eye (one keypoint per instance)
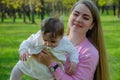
(53, 41)
(45, 40)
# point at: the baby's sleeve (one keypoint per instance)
(26, 44)
(72, 51)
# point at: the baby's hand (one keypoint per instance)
(24, 56)
(72, 68)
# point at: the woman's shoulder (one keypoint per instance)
(87, 48)
(88, 54)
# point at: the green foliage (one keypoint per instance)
(69, 3)
(37, 4)
(102, 2)
(107, 2)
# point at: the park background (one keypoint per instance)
(20, 18)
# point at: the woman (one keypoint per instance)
(85, 32)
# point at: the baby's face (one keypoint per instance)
(51, 42)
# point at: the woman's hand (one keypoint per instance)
(45, 57)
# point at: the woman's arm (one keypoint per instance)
(85, 68)
(84, 71)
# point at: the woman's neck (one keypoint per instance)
(76, 38)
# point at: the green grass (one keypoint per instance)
(12, 34)
(111, 28)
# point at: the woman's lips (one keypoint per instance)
(77, 25)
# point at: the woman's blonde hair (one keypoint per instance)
(95, 35)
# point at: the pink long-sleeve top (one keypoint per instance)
(88, 60)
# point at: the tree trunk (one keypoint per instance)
(31, 7)
(103, 8)
(3, 8)
(118, 8)
(19, 13)
(24, 12)
(107, 9)
(114, 9)
(42, 8)
(2, 17)
(33, 19)
(14, 15)
(24, 18)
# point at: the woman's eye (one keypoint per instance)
(86, 18)
(75, 14)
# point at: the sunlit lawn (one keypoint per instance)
(12, 34)
(111, 27)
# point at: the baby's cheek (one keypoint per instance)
(55, 45)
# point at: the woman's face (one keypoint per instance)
(80, 19)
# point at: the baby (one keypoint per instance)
(50, 37)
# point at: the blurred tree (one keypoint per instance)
(3, 8)
(108, 4)
(32, 9)
(69, 3)
(29, 8)
(118, 8)
(42, 9)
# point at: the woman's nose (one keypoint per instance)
(79, 19)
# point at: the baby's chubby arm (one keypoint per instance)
(27, 44)
(74, 55)
(24, 56)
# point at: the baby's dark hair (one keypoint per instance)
(54, 26)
